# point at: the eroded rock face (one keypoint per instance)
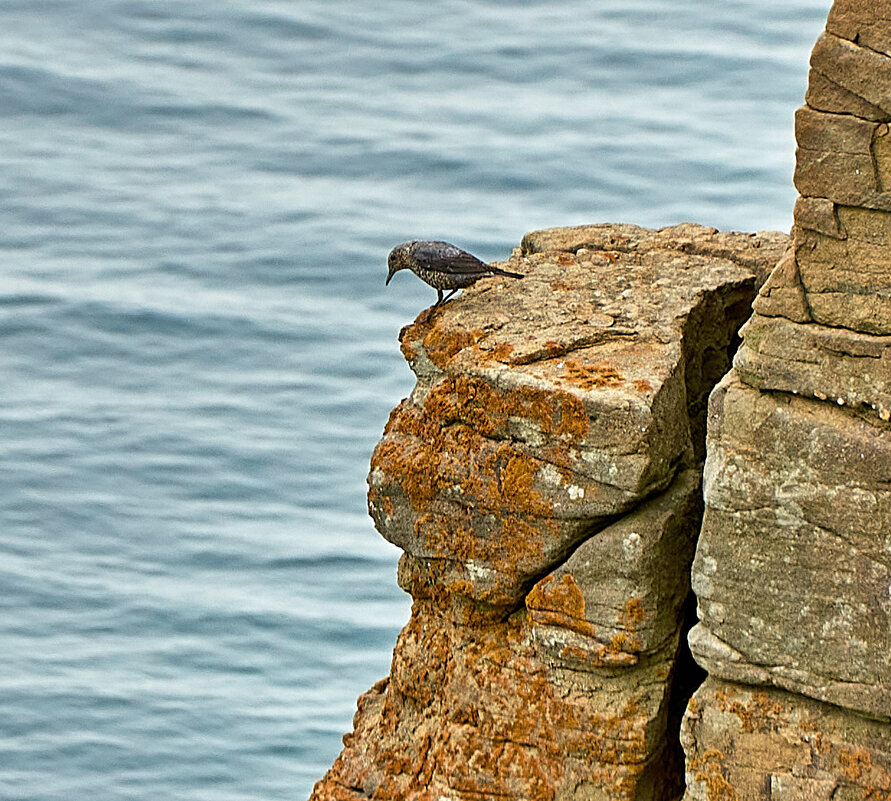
(546, 408)
(752, 743)
(793, 566)
(543, 480)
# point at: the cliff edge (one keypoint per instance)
(543, 480)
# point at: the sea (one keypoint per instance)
(199, 354)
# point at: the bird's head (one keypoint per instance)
(397, 260)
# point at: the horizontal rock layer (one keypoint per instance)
(763, 744)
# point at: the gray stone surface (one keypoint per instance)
(793, 567)
(831, 364)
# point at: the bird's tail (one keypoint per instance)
(499, 271)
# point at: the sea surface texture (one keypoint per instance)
(198, 352)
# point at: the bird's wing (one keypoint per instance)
(446, 258)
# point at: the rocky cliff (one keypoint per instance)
(545, 482)
(793, 567)
(543, 479)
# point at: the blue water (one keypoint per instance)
(198, 352)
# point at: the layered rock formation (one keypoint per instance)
(793, 566)
(543, 479)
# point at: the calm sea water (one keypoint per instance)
(198, 352)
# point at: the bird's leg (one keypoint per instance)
(438, 297)
(449, 295)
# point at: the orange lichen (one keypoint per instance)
(624, 640)
(857, 765)
(440, 342)
(560, 286)
(559, 603)
(756, 714)
(633, 613)
(642, 385)
(472, 712)
(502, 351)
(707, 769)
(855, 762)
(592, 376)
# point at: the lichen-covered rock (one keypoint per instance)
(543, 481)
(549, 406)
(793, 566)
(756, 744)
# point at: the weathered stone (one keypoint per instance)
(842, 158)
(542, 479)
(824, 94)
(865, 22)
(756, 252)
(818, 214)
(861, 70)
(793, 565)
(847, 282)
(622, 592)
(834, 364)
(769, 745)
(782, 294)
(470, 713)
(547, 407)
(567, 698)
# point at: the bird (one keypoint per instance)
(441, 265)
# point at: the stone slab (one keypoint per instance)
(865, 22)
(847, 281)
(843, 158)
(768, 745)
(622, 593)
(824, 94)
(831, 364)
(861, 70)
(793, 567)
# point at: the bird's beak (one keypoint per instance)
(389, 276)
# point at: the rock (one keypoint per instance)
(792, 569)
(843, 158)
(542, 479)
(832, 364)
(792, 572)
(768, 745)
(847, 281)
(865, 22)
(547, 407)
(824, 94)
(756, 252)
(783, 294)
(863, 71)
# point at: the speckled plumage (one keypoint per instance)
(441, 265)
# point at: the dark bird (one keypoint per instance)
(441, 265)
